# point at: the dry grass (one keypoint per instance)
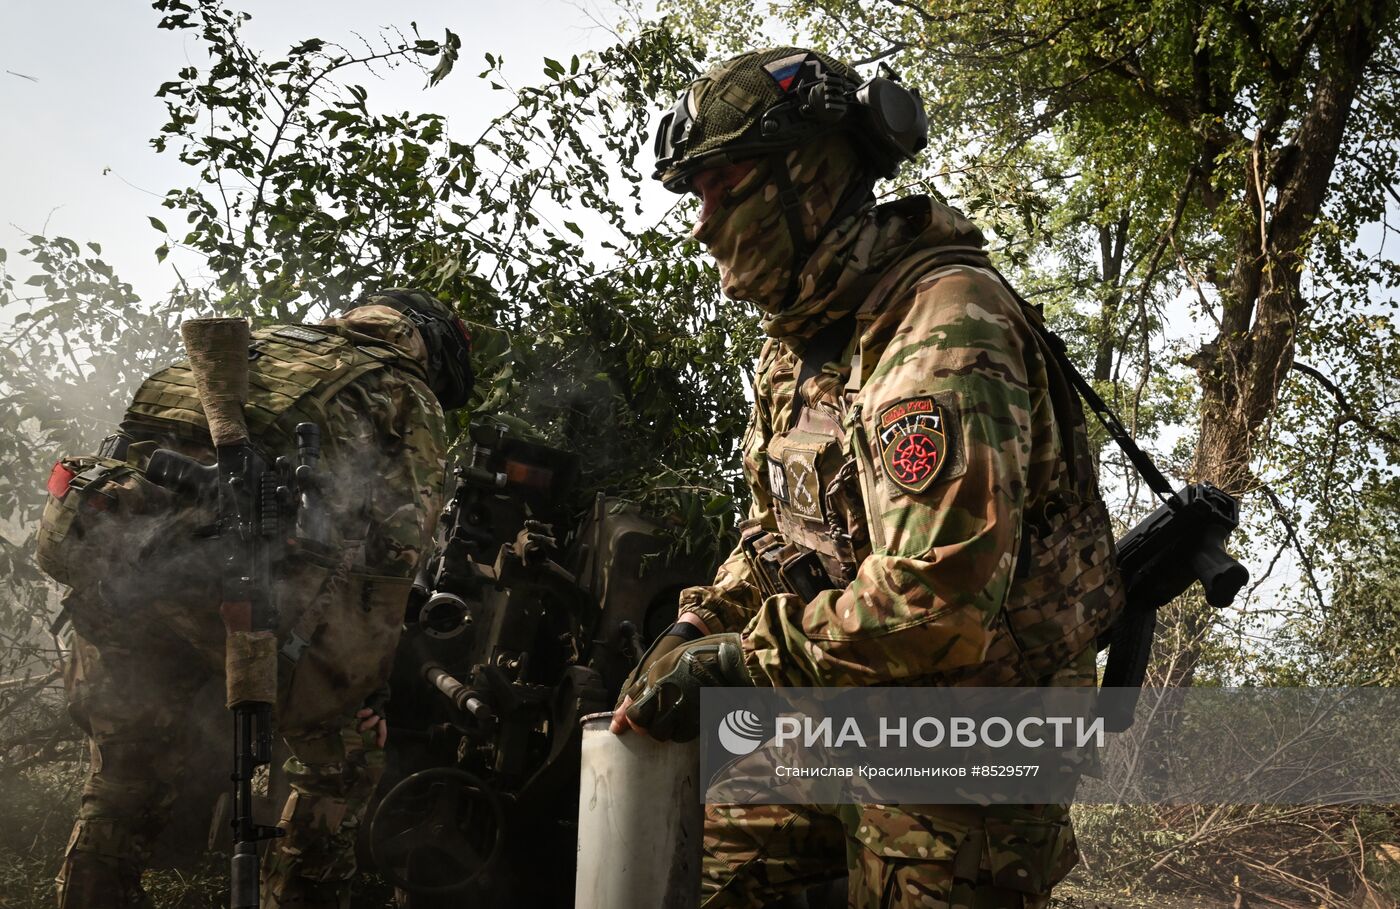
(1244, 857)
(37, 805)
(1134, 857)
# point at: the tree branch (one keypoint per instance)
(916, 9)
(1180, 109)
(1255, 37)
(1292, 531)
(1347, 410)
(894, 48)
(1306, 38)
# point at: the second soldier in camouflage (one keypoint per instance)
(144, 591)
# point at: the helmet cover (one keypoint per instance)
(445, 336)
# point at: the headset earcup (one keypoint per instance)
(897, 120)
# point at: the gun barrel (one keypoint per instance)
(462, 697)
(482, 477)
(243, 877)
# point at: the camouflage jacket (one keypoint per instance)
(382, 429)
(959, 489)
(394, 442)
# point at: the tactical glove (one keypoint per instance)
(669, 703)
(378, 700)
(673, 637)
(374, 715)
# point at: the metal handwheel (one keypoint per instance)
(437, 831)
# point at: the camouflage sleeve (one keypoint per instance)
(386, 468)
(942, 440)
(731, 602)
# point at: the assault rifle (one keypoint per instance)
(1180, 543)
(263, 511)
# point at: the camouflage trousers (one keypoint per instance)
(130, 694)
(934, 856)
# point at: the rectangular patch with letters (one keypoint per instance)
(777, 480)
(300, 333)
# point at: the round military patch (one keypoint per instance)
(913, 442)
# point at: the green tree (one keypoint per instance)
(1216, 162)
(306, 195)
(1201, 194)
(77, 341)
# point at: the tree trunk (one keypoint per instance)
(1243, 369)
(1113, 242)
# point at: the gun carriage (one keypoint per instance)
(509, 639)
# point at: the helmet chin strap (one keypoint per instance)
(792, 214)
(851, 200)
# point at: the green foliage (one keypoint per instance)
(306, 196)
(1137, 165)
(303, 195)
(599, 330)
(1194, 191)
(78, 343)
(1074, 186)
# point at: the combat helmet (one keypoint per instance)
(445, 336)
(768, 101)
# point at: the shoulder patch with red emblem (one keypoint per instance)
(916, 441)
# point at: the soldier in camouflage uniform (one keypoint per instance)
(913, 445)
(144, 598)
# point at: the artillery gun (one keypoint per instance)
(505, 647)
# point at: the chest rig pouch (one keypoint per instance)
(815, 486)
(818, 505)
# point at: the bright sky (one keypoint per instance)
(76, 160)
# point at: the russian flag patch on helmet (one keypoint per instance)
(793, 70)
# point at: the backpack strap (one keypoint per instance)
(904, 276)
(295, 371)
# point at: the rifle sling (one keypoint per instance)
(1130, 643)
(1140, 460)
